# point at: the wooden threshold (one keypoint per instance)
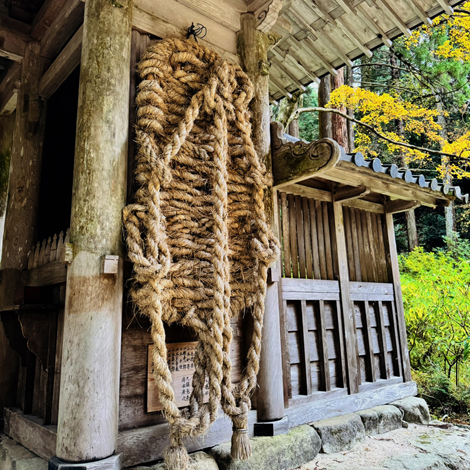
(329, 408)
(137, 446)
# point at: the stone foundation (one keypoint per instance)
(284, 452)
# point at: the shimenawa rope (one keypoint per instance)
(197, 232)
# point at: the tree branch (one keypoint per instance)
(367, 126)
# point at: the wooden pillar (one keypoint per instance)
(394, 274)
(89, 391)
(347, 307)
(25, 166)
(253, 49)
(22, 203)
(9, 360)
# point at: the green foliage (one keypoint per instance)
(308, 122)
(436, 295)
(441, 393)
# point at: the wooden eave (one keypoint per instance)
(318, 37)
(296, 164)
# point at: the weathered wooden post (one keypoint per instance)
(89, 393)
(22, 204)
(253, 48)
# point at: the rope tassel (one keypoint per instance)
(197, 232)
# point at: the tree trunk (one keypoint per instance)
(449, 210)
(287, 108)
(324, 119)
(411, 229)
(350, 112)
(339, 127)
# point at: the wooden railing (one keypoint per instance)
(53, 249)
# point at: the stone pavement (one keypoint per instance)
(418, 447)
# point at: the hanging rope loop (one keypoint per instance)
(197, 232)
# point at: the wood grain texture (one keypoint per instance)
(306, 368)
(328, 408)
(89, 402)
(389, 238)
(347, 307)
(65, 63)
(23, 191)
(63, 27)
(27, 431)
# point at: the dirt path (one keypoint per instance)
(416, 448)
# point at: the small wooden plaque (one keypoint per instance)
(181, 363)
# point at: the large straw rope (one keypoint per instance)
(197, 233)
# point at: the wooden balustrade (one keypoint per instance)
(53, 249)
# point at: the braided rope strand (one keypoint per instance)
(197, 232)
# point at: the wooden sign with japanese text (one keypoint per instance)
(180, 358)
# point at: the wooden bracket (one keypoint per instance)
(347, 193)
(298, 160)
(400, 205)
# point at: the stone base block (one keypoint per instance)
(380, 419)
(198, 461)
(291, 450)
(14, 456)
(340, 433)
(414, 410)
(111, 463)
(272, 428)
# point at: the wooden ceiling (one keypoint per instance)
(319, 36)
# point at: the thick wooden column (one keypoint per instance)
(89, 401)
(253, 49)
(25, 166)
(22, 203)
(9, 360)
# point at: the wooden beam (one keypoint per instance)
(15, 25)
(399, 205)
(375, 28)
(383, 392)
(394, 274)
(446, 7)
(62, 67)
(350, 192)
(280, 66)
(9, 88)
(347, 307)
(394, 16)
(353, 36)
(279, 85)
(12, 43)
(45, 17)
(297, 161)
(349, 173)
(416, 7)
(27, 431)
(62, 28)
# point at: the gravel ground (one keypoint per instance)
(437, 446)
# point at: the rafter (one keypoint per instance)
(44, 18)
(416, 7)
(352, 35)
(284, 69)
(446, 7)
(62, 28)
(393, 15)
(332, 43)
(12, 43)
(362, 13)
(280, 86)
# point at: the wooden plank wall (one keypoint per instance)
(309, 245)
(317, 362)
